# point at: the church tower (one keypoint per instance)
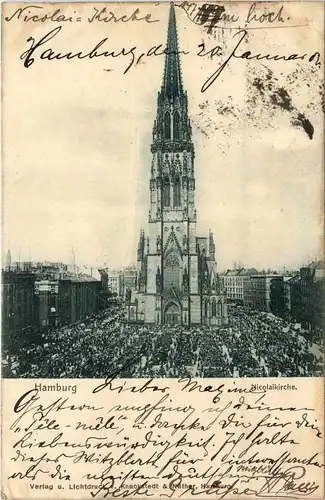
(170, 259)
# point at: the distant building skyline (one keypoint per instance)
(107, 265)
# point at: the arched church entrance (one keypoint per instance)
(173, 315)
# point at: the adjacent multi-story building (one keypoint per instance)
(307, 296)
(257, 291)
(233, 281)
(65, 301)
(280, 304)
(52, 303)
(85, 297)
(19, 320)
(278, 297)
(114, 282)
(38, 296)
(177, 279)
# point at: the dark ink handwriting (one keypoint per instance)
(247, 55)
(105, 16)
(36, 14)
(173, 446)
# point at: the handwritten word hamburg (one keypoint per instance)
(42, 50)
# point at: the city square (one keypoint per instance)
(255, 344)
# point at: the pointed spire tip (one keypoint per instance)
(172, 82)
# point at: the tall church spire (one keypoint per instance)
(172, 81)
(174, 280)
(172, 129)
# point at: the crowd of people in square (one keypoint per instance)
(255, 344)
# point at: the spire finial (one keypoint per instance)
(172, 83)
(8, 260)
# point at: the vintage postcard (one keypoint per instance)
(163, 269)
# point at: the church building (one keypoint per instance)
(177, 282)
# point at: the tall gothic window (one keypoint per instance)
(176, 125)
(177, 192)
(167, 125)
(166, 192)
(214, 307)
(172, 271)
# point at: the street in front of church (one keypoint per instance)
(254, 344)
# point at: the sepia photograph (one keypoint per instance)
(163, 270)
(162, 191)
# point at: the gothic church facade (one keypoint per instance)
(177, 282)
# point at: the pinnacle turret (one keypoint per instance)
(212, 247)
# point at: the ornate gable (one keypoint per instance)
(172, 243)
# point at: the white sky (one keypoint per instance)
(77, 144)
